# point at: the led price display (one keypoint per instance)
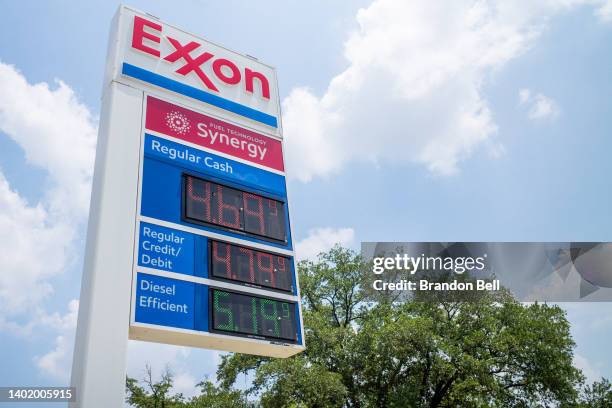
(212, 203)
(236, 313)
(250, 266)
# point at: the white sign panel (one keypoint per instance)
(159, 54)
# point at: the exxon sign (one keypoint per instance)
(163, 56)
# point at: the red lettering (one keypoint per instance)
(221, 62)
(139, 34)
(249, 77)
(194, 63)
(182, 51)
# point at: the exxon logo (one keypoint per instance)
(190, 57)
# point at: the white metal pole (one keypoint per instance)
(99, 364)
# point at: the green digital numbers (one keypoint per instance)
(254, 314)
(286, 313)
(272, 317)
(244, 314)
(222, 310)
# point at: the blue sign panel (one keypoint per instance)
(177, 303)
(162, 198)
(166, 302)
(213, 165)
(166, 249)
(184, 186)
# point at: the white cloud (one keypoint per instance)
(32, 250)
(590, 372)
(524, 96)
(321, 240)
(157, 355)
(185, 383)
(539, 106)
(57, 362)
(544, 108)
(52, 363)
(67, 321)
(57, 134)
(605, 11)
(412, 90)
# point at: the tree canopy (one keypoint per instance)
(158, 394)
(366, 349)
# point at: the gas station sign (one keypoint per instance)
(190, 231)
(213, 251)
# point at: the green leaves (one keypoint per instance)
(215, 397)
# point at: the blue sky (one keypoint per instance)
(407, 121)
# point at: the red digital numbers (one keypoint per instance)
(221, 257)
(249, 266)
(228, 206)
(266, 268)
(199, 197)
(212, 203)
(275, 219)
(254, 213)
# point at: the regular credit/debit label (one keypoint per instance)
(215, 134)
(166, 249)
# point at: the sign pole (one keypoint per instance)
(99, 364)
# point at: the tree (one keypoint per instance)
(153, 394)
(158, 394)
(597, 395)
(368, 350)
(212, 396)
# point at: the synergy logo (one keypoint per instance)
(191, 58)
(178, 122)
(203, 130)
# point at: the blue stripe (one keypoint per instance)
(195, 93)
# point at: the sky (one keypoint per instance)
(403, 121)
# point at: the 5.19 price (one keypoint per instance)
(252, 315)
